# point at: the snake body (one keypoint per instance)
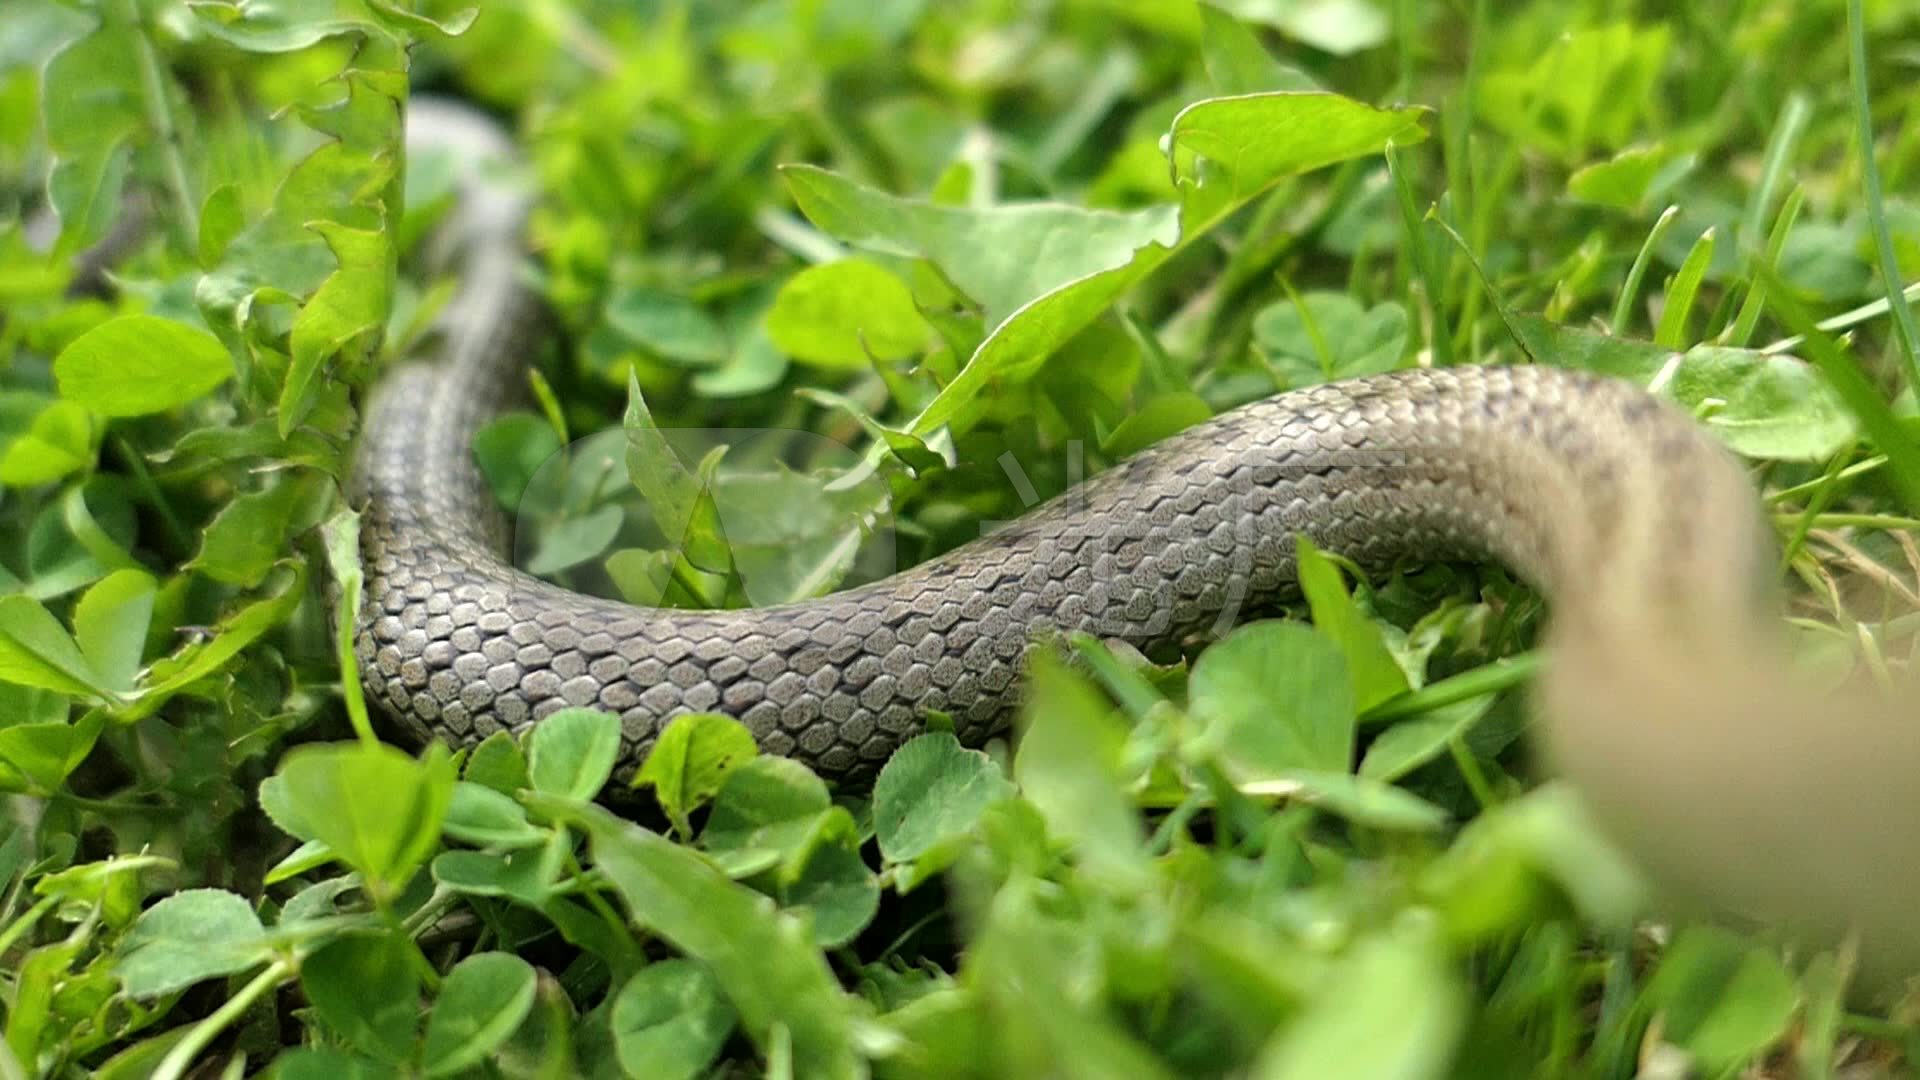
(1644, 533)
(1571, 479)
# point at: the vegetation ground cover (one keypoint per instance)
(941, 261)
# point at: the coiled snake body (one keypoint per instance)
(1645, 534)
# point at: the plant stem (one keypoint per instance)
(1907, 338)
(160, 115)
(175, 1064)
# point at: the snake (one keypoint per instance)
(1667, 701)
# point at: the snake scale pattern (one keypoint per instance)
(1541, 468)
(1668, 703)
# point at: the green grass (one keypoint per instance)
(1314, 848)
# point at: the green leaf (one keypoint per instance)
(236, 633)
(1068, 766)
(668, 326)
(1393, 1007)
(766, 962)
(139, 364)
(837, 888)
(1631, 178)
(690, 761)
(1721, 998)
(1320, 336)
(511, 451)
(576, 540)
(348, 310)
(36, 651)
(484, 817)
(378, 809)
(497, 763)
(249, 535)
(768, 804)
(1376, 675)
(1237, 62)
(1340, 27)
(1412, 743)
(110, 625)
(367, 988)
(484, 998)
(192, 935)
(1274, 697)
(571, 753)
(44, 754)
(845, 314)
(1001, 257)
(1364, 801)
(1761, 404)
(1156, 419)
(930, 789)
(221, 219)
(1678, 304)
(670, 1020)
(57, 440)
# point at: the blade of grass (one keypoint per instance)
(1741, 331)
(1672, 331)
(1439, 342)
(1773, 167)
(1871, 310)
(1623, 305)
(1846, 378)
(1907, 338)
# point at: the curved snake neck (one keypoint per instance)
(1643, 531)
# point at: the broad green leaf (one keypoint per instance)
(138, 364)
(691, 760)
(1001, 257)
(378, 809)
(36, 651)
(1393, 1008)
(1409, 744)
(110, 625)
(484, 817)
(1762, 404)
(348, 311)
(571, 753)
(1236, 60)
(1321, 336)
(484, 998)
(1720, 998)
(192, 935)
(846, 314)
(668, 326)
(367, 988)
(670, 1021)
(1363, 801)
(1158, 418)
(1340, 27)
(497, 763)
(44, 754)
(930, 789)
(837, 888)
(250, 534)
(236, 633)
(770, 804)
(765, 961)
(57, 440)
(1275, 697)
(94, 112)
(576, 540)
(1068, 765)
(1375, 673)
(1631, 178)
